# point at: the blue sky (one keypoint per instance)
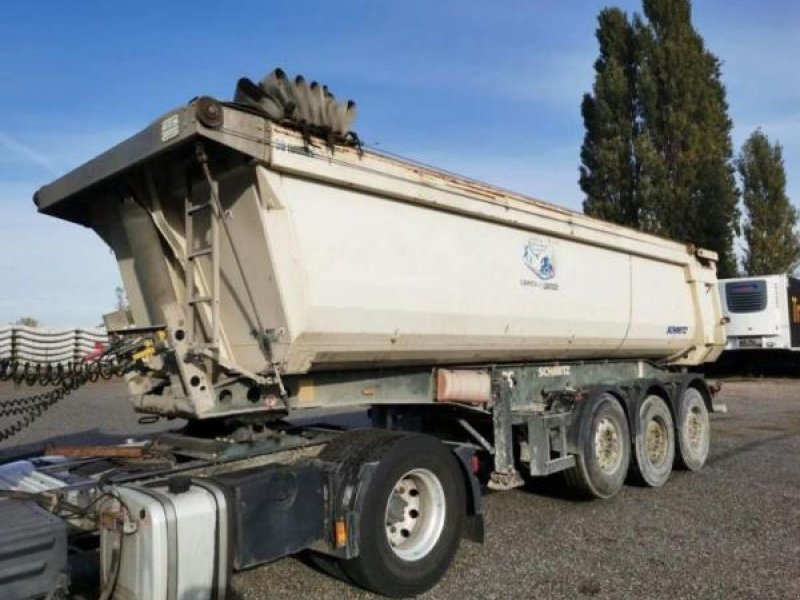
(488, 89)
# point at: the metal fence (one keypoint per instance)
(41, 345)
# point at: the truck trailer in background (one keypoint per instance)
(273, 265)
(761, 312)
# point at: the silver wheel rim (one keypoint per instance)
(656, 441)
(415, 514)
(696, 432)
(607, 445)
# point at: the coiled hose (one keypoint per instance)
(66, 377)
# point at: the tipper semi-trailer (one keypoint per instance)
(274, 265)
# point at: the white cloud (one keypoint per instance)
(759, 64)
(559, 81)
(24, 151)
(69, 147)
(556, 78)
(56, 271)
(551, 177)
(762, 75)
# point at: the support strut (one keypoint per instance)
(505, 475)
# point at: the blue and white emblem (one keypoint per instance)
(538, 257)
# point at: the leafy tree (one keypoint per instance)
(608, 174)
(684, 114)
(27, 322)
(674, 147)
(769, 230)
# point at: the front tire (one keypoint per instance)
(411, 520)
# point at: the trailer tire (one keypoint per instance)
(418, 486)
(602, 462)
(654, 448)
(693, 430)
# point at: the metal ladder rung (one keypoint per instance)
(207, 346)
(200, 252)
(198, 207)
(202, 296)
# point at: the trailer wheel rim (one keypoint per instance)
(607, 445)
(696, 433)
(657, 441)
(415, 514)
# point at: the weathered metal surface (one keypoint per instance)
(226, 450)
(353, 388)
(547, 444)
(96, 451)
(505, 475)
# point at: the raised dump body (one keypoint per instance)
(261, 260)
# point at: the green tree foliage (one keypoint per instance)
(769, 229)
(608, 174)
(669, 168)
(27, 322)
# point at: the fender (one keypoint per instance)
(474, 529)
(585, 401)
(640, 390)
(687, 380)
(349, 477)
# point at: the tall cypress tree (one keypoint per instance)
(657, 153)
(688, 160)
(608, 175)
(769, 230)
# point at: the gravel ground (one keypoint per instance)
(730, 531)
(98, 413)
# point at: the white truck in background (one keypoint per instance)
(273, 266)
(761, 312)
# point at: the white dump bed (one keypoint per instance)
(351, 259)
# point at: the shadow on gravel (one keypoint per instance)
(552, 486)
(749, 446)
(323, 564)
(88, 436)
(755, 363)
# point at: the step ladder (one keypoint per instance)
(547, 441)
(198, 295)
